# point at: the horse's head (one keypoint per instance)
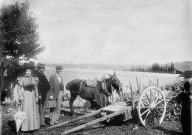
(115, 82)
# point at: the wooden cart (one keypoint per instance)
(150, 105)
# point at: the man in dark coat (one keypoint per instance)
(56, 91)
(185, 98)
(43, 88)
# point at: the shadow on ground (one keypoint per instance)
(168, 131)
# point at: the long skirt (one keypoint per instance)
(31, 108)
(186, 120)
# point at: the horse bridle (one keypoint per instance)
(113, 78)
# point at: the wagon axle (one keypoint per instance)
(152, 106)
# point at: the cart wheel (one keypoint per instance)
(152, 106)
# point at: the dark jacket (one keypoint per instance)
(186, 113)
(43, 85)
(55, 86)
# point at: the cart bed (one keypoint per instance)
(116, 107)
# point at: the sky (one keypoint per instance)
(123, 32)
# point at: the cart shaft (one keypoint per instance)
(76, 119)
(122, 111)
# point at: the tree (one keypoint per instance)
(18, 36)
(155, 67)
(172, 67)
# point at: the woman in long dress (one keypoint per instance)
(28, 96)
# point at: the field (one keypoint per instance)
(130, 127)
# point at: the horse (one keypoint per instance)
(97, 95)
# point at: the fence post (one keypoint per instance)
(157, 82)
(131, 88)
(138, 86)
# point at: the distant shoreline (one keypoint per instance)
(181, 66)
(97, 66)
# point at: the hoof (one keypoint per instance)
(73, 115)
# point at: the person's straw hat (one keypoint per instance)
(59, 67)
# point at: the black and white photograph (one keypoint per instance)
(95, 67)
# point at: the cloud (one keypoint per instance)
(113, 31)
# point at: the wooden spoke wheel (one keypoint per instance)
(152, 106)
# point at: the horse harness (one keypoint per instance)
(103, 85)
(80, 86)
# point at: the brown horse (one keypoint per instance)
(97, 95)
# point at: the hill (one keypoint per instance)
(97, 66)
(183, 66)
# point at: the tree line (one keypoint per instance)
(157, 68)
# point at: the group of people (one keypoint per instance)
(36, 92)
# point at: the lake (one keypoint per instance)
(144, 78)
(124, 76)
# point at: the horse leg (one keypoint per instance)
(72, 99)
(94, 105)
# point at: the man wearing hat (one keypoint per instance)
(56, 92)
(43, 88)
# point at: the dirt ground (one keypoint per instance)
(130, 127)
